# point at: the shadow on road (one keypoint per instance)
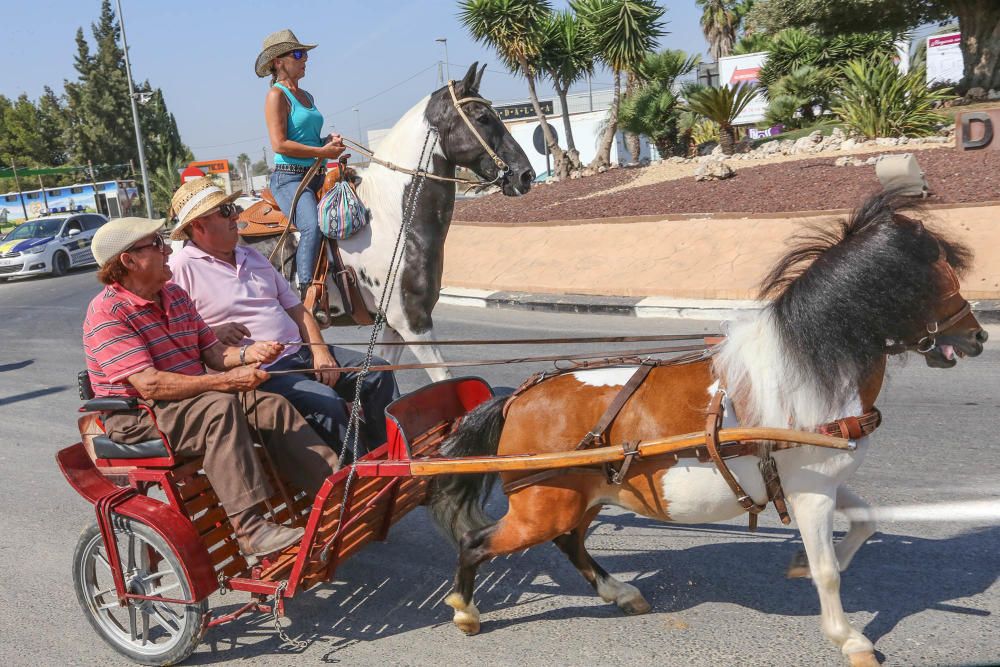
(28, 395)
(16, 366)
(893, 576)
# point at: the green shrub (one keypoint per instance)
(877, 100)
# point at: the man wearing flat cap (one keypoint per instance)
(143, 338)
(245, 299)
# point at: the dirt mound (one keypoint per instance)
(803, 185)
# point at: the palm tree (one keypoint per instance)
(622, 32)
(719, 22)
(722, 105)
(164, 182)
(514, 29)
(566, 56)
(653, 108)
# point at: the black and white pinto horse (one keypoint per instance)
(434, 121)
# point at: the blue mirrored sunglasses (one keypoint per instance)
(298, 54)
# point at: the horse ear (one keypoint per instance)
(479, 78)
(469, 80)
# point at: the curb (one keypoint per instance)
(986, 310)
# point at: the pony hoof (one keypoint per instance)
(863, 659)
(799, 567)
(635, 606)
(466, 615)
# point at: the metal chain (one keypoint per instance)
(285, 639)
(409, 211)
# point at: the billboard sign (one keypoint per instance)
(734, 70)
(944, 58)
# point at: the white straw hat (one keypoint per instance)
(119, 235)
(276, 44)
(193, 200)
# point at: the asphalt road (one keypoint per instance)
(926, 593)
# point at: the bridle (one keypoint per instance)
(502, 167)
(926, 343)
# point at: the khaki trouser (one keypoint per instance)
(215, 424)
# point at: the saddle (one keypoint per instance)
(265, 218)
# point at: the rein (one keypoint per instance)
(624, 357)
(502, 168)
(708, 338)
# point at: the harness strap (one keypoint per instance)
(713, 423)
(501, 165)
(597, 435)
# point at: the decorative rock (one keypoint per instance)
(676, 159)
(587, 172)
(846, 160)
(848, 144)
(601, 169)
(886, 141)
(902, 141)
(816, 136)
(993, 95)
(573, 175)
(802, 145)
(936, 140)
(872, 160)
(976, 93)
(714, 171)
(716, 151)
(838, 134)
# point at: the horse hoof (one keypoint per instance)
(799, 567)
(466, 615)
(635, 606)
(863, 659)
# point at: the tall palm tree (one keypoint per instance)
(722, 105)
(719, 21)
(623, 32)
(514, 29)
(566, 56)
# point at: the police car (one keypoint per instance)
(51, 244)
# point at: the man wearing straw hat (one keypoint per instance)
(144, 339)
(244, 299)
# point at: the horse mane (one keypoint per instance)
(838, 295)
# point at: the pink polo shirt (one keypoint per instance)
(252, 293)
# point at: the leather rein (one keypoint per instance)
(502, 167)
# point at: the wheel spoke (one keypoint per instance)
(131, 623)
(103, 561)
(130, 561)
(100, 594)
(160, 613)
(164, 589)
(145, 627)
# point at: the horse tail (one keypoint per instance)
(457, 503)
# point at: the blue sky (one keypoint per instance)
(378, 55)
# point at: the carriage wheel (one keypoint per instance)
(150, 633)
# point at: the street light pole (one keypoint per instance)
(357, 114)
(447, 69)
(135, 117)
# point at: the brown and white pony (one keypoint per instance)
(816, 354)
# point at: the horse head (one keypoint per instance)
(951, 330)
(467, 124)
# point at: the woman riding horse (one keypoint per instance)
(295, 127)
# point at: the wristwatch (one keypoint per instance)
(243, 355)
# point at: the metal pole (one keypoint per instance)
(20, 194)
(135, 117)
(590, 92)
(447, 68)
(361, 139)
(44, 196)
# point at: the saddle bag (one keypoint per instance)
(341, 212)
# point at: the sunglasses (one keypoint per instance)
(298, 54)
(157, 243)
(229, 210)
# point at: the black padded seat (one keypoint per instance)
(106, 448)
(109, 404)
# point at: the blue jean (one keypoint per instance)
(283, 186)
(325, 407)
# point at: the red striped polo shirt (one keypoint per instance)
(124, 334)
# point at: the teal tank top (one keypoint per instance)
(305, 126)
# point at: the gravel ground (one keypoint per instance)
(803, 185)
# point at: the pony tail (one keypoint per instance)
(457, 502)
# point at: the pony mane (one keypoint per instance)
(838, 295)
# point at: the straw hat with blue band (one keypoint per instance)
(276, 44)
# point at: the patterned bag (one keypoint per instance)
(341, 213)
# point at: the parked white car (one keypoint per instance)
(52, 244)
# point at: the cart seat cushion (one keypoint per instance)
(106, 448)
(107, 404)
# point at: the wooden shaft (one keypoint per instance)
(555, 460)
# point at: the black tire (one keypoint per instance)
(60, 263)
(162, 646)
